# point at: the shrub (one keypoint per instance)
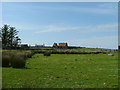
(22, 54)
(5, 61)
(29, 54)
(6, 57)
(47, 53)
(18, 61)
(25, 55)
(15, 59)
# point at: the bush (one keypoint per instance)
(5, 61)
(47, 53)
(6, 57)
(18, 61)
(29, 54)
(15, 59)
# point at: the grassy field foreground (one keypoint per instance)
(64, 71)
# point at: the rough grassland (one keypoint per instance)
(65, 71)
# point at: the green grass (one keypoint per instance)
(65, 71)
(93, 49)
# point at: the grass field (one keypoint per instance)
(64, 71)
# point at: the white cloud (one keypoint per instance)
(103, 42)
(80, 29)
(108, 5)
(97, 10)
(100, 42)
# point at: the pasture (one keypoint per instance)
(64, 71)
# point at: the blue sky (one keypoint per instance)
(86, 24)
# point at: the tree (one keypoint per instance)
(4, 34)
(16, 41)
(12, 33)
(8, 36)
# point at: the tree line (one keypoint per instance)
(9, 36)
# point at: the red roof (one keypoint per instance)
(62, 44)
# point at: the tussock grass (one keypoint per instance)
(47, 53)
(16, 59)
(76, 51)
(5, 61)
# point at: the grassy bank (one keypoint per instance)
(64, 71)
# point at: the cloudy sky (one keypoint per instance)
(86, 24)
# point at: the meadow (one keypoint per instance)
(64, 71)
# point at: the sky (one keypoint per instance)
(85, 24)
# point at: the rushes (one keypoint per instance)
(47, 53)
(5, 61)
(71, 51)
(18, 62)
(6, 57)
(15, 59)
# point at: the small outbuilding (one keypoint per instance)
(60, 45)
(55, 45)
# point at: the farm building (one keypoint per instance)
(55, 45)
(60, 45)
